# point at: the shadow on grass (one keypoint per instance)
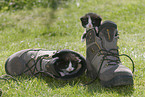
(121, 90)
(93, 88)
(59, 83)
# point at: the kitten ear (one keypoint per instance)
(83, 21)
(99, 19)
(79, 60)
(82, 18)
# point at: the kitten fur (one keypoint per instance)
(89, 21)
(67, 63)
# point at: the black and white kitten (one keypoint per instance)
(67, 63)
(89, 21)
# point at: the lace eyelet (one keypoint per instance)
(98, 54)
(106, 65)
(92, 50)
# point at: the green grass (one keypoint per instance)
(59, 28)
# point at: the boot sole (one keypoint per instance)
(118, 81)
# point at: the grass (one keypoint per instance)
(59, 28)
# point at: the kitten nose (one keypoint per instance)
(90, 26)
(70, 69)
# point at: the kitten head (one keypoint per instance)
(91, 20)
(67, 63)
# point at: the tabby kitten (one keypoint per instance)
(89, 21)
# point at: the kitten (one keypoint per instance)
(89, 21)
(67, 64)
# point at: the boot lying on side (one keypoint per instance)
(102, 57)
(34, 61)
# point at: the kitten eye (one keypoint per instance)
(74, 63)
(94, 22)
(66, 65)
(85, 21)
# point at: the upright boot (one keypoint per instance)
(102, 57)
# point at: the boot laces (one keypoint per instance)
(112, 58)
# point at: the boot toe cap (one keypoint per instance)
(116, 76)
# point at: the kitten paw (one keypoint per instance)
(82, 40)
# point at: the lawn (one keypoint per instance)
(58, 27)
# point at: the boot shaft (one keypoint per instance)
(102, 50)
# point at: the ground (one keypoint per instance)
(58, 27)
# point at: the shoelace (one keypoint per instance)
(106, 54)
(110, 53)
(7, 77)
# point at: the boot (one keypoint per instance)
(0, 92)
(102, 57)
(34, 61)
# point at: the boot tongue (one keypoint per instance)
(48, 65)
(108, 34)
